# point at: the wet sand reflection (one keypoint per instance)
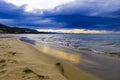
(72, 57)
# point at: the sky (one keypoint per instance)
(99, 15)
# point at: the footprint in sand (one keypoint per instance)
(12, 53)
(7, 59)
(2, 72)
(60, 67)
(24, 74)
(2, 63)
(29, 71)
(4, 47)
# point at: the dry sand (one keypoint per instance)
(21, 61)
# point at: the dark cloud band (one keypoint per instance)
(72, 15)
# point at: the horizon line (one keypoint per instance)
(75, 31)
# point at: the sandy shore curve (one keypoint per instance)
(21, 61)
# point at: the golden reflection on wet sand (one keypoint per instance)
(72, 57)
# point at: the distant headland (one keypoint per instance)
(16, 30)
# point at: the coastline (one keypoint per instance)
(22, 61)
(95, 64)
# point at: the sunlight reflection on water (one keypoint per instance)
(74, 57)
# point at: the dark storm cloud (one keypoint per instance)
(92, 14)
(90, 7)
(89, 14)
(16, 16)
(89, 22)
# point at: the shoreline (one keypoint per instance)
(115, 55)
(29, 62)
(96, 64)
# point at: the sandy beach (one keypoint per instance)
(22, 61)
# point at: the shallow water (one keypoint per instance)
(94, 42)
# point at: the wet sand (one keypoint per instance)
(103, 66)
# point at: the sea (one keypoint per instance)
(98, 54)
(98, 43)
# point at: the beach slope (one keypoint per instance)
(21, 61)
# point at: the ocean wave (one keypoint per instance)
(115, 44)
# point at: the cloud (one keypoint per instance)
(88, 22)
(89, 8)
(38, 4)
(17, 16)
(88, 14)
(78, 14)
(84, 7)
